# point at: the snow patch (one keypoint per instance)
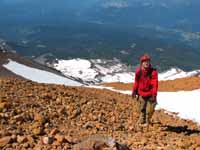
(77, 68)
(119, 77)
(95, 70)
(37, 75)
(185, 103)
(176, 73)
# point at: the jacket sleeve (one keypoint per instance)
(136, 82)
(154, 83)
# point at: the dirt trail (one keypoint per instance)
(40, 116)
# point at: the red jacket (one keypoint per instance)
(146, 82)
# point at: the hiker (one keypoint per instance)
(145, 89)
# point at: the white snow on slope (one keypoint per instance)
(185, 103)
(175, 73)
(78, 68)
(38, 75)
(99, 71)
(118, 77)
(95, 70)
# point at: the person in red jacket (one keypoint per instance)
(145, 89)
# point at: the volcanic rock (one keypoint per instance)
(47, 116)
(4, 141)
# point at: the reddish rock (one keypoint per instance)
(39, 117)
(59, 100)
(21, 139)
(54, 131)
(197, 140)
(4, 105)
(19, 118)
(70, 139)
(59, 138)
(38, 131)
(14, 138)
(4, 141)
(3, 133)
(30, 140)
(47, 140)
(89, 112)
(62, 111)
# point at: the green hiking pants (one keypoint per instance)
(146, 109)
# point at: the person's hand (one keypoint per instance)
(153, 99)
(134, 94)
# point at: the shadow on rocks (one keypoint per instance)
(181, 129)
(121, 147)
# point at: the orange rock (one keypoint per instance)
(54, 131)
(4, 141)
(197, 140)
(59, 100)
(69, 139)
(38, 131)
(47, 140)
(90, 112)
(39, 117)
(4, 105)
(62, 110)
(14, 138)
(2, 133)
(21, 139)
(30, 139)
(59, 138)
(19, 118)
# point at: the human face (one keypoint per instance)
(146, 64)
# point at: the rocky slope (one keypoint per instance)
(41, 116)
(186, 84)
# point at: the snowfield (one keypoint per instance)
(104, 71)
(37, 75)
(175, 73)
(185, 103)
(96, 70)
(77, 68)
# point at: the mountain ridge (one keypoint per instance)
(86, 71)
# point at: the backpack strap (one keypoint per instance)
(149, 73)
(140, 74)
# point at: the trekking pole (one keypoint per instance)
(138, 111)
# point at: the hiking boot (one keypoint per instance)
(142, 119)
(148, 119)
